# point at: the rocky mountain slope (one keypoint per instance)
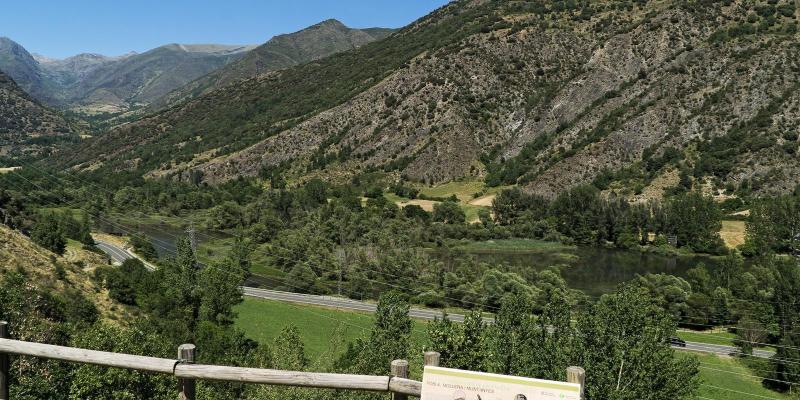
(72, 70)
(143, 78)
(21, 66)
(543, 94)
(98, 83)
(27, 127)
(283, 51)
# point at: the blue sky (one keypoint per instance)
(57, 28)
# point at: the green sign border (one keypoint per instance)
(502, 379)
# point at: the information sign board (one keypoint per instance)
(452, 384)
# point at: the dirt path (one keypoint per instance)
(484, 201)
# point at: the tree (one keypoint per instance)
(124, 282)
(730, 270)
(288, 353)
(225, 216)
(774, 225)
(762, 235)
(41, 317)
(48, 234)
(625, 350)
(505, 343)
(84, 233)
(220, 292)
(462, 346)
(787, 309)
(671, 292)
(577, 212)
(749, 333)
(239, 256)
(389, 338)
(98, 383)
(485, 217)
(510, 205)
(175, 298)
(413, 211)
(495, 285)
(696, 221)
(448, 212)
(783, 371)
(144, 247)
(315, 193)
(303, 278)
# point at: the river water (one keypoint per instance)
(593, 270)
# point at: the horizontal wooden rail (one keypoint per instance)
(103, 358)
(213, 372)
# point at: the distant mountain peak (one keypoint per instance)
(331, 22)
(282, 51)
(42, 58)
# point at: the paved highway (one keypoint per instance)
(342, 303)
(118, 255)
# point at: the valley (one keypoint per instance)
(523, 187)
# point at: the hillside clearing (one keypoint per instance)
(733, 233)
(464, 190)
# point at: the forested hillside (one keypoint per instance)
(325, 239)
(26, 127)
(544, 94)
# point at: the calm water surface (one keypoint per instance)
(593, 270)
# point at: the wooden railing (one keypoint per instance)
(188, 373)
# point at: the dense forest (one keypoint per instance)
(351, 239)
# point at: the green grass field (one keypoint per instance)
(722, 338)
(464, 190)
(197, 218)
(715, 337)
(726, 378)
(323, 330)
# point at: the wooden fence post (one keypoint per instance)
(432, 358)
(5, 364)
(577, 375)
(399, 369)
(186, 387)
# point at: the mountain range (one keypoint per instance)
(283, 51)
(92, 83)
(547, 95)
